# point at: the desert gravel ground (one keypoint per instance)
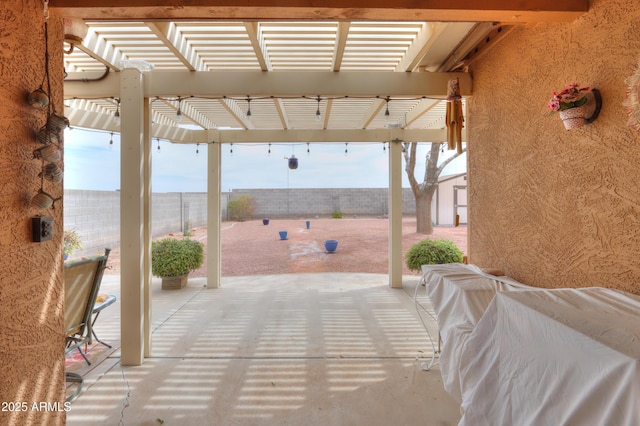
(251, 248)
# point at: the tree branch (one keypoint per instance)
(409, 152)
(449, 160)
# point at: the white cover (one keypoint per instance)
(459, 294)
(554, 357)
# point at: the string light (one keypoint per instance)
(386, 111)
(318, 115)
(179, 112)
(116, 115)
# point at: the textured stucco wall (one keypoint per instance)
(31, 285)
(550, 207)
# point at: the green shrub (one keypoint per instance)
(431, 252)
(241, 208)
(171, 257)
(336, 214)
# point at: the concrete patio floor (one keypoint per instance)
(295, 349)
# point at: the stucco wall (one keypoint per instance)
(31, 290)
(557, 208)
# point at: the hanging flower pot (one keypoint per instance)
(576, 105)
(573, 118)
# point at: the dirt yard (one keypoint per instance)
(251, 248)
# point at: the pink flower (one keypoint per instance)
(571, 96)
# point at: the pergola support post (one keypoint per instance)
(214, 212)
(134, 217)
(395, 214)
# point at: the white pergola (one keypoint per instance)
(370, 79)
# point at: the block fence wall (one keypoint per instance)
(306, 202)
(95, 215)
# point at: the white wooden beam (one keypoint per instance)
(280, 84)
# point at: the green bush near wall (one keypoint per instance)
(241, 208)
(433, 252)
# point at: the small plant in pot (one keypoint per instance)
(172, 259)
(433, 252)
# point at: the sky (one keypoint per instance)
(92, 162)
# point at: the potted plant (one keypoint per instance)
(571, 104)
(172, 259)
(72, 242)
(433, 252)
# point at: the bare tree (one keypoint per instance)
(423, 191)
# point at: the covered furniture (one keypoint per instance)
(81, 285)
(519, 355)
(459, 294)
(563, 357)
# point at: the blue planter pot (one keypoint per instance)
(283, 235)
(265, 221)
(308, 223)
(331, 245)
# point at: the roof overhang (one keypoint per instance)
(522, 12)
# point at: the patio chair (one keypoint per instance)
(81, 284)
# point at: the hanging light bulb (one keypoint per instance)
(111, 140)
(231, 149)
(346, 148)
(386, 112)
(158, 140)
(384, 146)
(318, 115)
(308, 151)
(197, 149)
(179, 112)
(269, 151)
(116, 115)
(248, 108)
